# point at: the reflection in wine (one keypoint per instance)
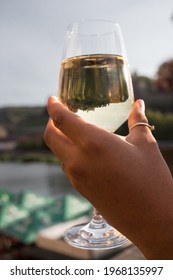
(95, 87)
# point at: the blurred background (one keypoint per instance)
(32, 34)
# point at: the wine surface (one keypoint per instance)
(98, 88)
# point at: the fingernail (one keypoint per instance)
(141, 104)
(52, 98)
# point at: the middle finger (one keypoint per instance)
(59, 144)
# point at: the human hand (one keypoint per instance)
(125, 178)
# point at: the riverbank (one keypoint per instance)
(42, 156)
(47, 156)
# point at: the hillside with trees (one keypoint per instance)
(22, 128)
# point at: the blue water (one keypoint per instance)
(42, 178)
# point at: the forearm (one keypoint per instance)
(158, 244)
(152, 232)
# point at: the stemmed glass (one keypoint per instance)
(95, 83)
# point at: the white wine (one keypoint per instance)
(98, 88)
(96, 85)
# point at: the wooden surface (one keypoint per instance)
(52, 239)
(130, 253)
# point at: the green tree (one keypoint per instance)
(164, 77)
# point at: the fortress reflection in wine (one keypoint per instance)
(97, 87)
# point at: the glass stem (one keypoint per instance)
(97, 221)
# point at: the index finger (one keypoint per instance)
(66, 121)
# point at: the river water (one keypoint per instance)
(42, 178)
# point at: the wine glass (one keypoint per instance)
(95, 83)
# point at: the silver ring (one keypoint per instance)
(151, 127)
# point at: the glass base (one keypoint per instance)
(93, 236)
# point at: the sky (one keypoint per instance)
(32, 34)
